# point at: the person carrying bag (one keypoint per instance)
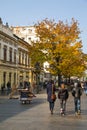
(50, 95)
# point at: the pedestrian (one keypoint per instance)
(63, 95)
(13, 91)
(8, 87)
(76, 93)
(51, 90)
(2, 88)
(85, 87)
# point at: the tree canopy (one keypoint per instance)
(60, 45)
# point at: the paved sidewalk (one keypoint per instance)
(36, 116)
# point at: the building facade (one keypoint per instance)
(8, 59)
(24, 69)
(28, 34)
(14, 58)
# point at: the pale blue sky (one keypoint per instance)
(28, 12)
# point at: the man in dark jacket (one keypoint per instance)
(76, 93)
(63, 96)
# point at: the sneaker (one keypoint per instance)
(61, 110)
(63, 114)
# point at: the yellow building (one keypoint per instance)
(14, 58)
(24, 70)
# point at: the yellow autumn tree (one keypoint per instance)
(36, 54)
(60, 44)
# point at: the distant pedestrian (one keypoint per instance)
(63, 96)
(8, 87)
(77, 92)
(51, 89)
(13, 91)
(2, 88)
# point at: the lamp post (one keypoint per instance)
(37, 72)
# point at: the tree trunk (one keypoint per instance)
(59, 80)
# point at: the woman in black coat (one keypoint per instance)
(50, 89)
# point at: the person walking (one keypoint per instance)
(76, 93)
(8, 87)
(63, 96)
(13, 91)
(51, 90)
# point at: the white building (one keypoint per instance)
(28, 34)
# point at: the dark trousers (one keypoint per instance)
(63, 104)
(51, 105)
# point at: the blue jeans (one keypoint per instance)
(51, 105)
(77, 104)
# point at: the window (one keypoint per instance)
(10, 77)
(19, 57)
(29, 38)
(10, 54)
(30, 30)
(4, 78)
(14, 77)
(5, 53)
(23, 58)
(15, 56)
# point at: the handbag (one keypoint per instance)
(53, 96)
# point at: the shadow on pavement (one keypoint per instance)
(12, 107)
